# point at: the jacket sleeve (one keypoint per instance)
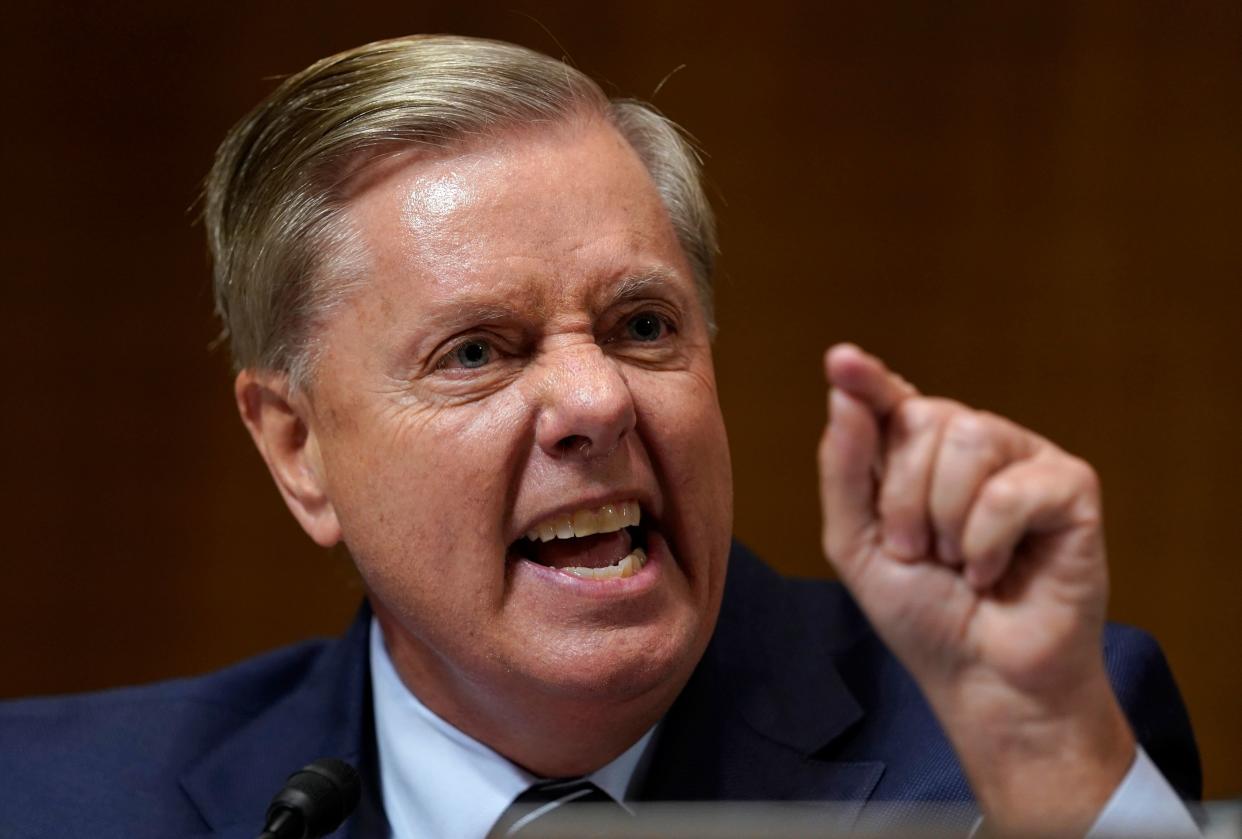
(1145, 688)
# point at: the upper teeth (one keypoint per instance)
(605, 519)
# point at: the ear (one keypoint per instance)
(278, 422)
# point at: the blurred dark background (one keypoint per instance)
(1032, 207)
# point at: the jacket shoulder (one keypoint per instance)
(239, 689)
(87, 746)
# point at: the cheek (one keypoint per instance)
(685, 434)
(414, 485)
(682, 407)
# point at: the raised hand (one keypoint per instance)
(975, 547)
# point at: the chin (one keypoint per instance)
(622, 666)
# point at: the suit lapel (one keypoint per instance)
(763, 703)
(326, 713)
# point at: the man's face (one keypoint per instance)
(527, 347)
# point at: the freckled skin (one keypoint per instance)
(429, 470)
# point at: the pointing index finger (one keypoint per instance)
(865, 377)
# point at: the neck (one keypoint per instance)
(548, 732)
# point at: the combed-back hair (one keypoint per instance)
(284, 255)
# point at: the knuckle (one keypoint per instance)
(916, 416)
(969, 430)
(1002, 496)
(1087, 506)
(1071, 471)
(1088, 478)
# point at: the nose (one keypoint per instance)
(587, 408)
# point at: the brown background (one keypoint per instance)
(1032, 207)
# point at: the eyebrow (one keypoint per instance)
(452, 314)
(461, 314)
(635, 286)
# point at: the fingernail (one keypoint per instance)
(836, 402)
(974, 577)
(903, 544)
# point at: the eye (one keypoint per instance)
(646, 327)
(469, 354)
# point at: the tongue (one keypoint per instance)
(598, 551)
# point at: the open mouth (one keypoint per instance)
(601, 543)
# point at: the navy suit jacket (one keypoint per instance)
(795, 699)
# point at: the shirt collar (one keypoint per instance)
(439, 781)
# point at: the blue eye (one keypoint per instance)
(472, 354)
(645, 327)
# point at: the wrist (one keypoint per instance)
(1040, 764)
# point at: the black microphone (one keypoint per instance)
(314, 802)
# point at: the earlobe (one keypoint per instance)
(279, 423)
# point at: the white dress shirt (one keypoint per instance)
(437, 781)
(1144, 805)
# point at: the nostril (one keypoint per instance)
(574, 444)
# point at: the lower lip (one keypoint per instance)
(643, 580)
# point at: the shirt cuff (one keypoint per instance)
(1144, 805)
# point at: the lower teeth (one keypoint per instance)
(627, 567)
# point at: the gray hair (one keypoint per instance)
(283, 258)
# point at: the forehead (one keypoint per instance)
(531, 212)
